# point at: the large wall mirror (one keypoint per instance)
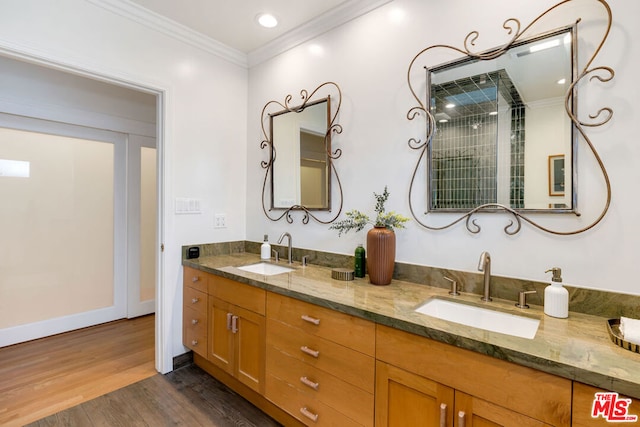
(300, 169)
(502, 133)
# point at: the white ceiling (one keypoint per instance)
(233, 23)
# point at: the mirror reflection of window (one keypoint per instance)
(497, 121)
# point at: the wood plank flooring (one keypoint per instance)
(45, 376)
(187, 397)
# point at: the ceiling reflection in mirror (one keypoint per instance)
(496, 124)
(300, 173)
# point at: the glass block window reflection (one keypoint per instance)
(464, 163)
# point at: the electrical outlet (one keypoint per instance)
(220, 221)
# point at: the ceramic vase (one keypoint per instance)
(381, 255)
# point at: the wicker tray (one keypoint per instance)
(613, 326)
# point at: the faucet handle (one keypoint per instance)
(454, 287)
(304, 260)
(522, 298)
(276, 255)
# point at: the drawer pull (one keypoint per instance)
(443, 415)
(195, 321)
(229, 320)
(310, 319)
(307, 413)
(195, 300)
(194, 342)
(461, 418)
(234, 324)
(306, 381)
(194, 279)
(310, 352)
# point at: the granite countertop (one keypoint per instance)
(577, 348)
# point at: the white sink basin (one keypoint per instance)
(482, 318)
(265, 268)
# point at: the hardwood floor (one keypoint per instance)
(187, 396)
(105, 376)
(45, 376)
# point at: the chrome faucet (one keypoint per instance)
(282, 236)
(485, 265)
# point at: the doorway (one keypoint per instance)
(84, 247)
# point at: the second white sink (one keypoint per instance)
(265, 268)
(479, 317)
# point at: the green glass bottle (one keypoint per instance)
(360, 262)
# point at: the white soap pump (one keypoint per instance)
(556, 297)
(265, 248)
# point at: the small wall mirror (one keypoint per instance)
(301, 173)
(497, 122)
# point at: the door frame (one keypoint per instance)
(163, 326)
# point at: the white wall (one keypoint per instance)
(368, 57)
(204, 116)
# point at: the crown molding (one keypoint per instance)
(327, 21)
(337, 16)
(172, 29)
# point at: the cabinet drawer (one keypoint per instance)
(347, 399)
(351, 366)
(195, 279)
(245, 296)
(350, 331)
(195, 300)
(528, 391)
(304, 407)
(194, 332)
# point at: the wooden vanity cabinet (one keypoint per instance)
(320, 363)
(194, 311)
(237, 330)
(486, 391)
(583, 397)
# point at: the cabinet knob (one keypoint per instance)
(307, 413)
(309, 351)
(194, 279)
(195, 321)
(194, 342)
(310, 319)
(306, 381)
(195, 300)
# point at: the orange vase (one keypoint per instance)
(381, 255)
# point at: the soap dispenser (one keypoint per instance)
(556, 297)
(265, 248)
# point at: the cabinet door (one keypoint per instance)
(249, 347)
(474, 412)
(405, 399)
(220, 337)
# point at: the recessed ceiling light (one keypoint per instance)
(562, 81)
(267, 20)
(449, 105)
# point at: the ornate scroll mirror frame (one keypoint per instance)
(330, 93)
(519, 35)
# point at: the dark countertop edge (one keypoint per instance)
(595, 379)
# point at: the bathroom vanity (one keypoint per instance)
(311, 350)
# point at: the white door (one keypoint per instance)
(142, 208)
